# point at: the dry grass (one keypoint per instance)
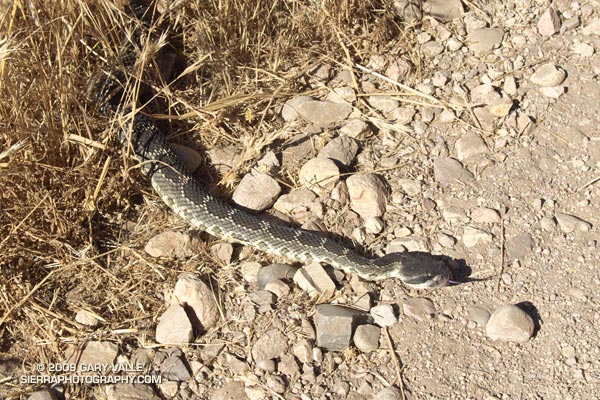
(66, 241)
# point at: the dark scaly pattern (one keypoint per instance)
(190, 200)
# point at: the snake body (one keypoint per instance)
(188, 198)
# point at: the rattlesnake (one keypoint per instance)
(187, 197)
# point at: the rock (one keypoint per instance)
(342, 149)
(276, 384)
(315, 281)
(324, 114)
(87, 318)
(190, 290)
(454, 215)
(256, 192)
(484, 215)
(510, 85)
(408, 11)
(410, 243)
(224, 159)
(432, 49)
(169, 389)
(42, 395)
(479, 315)
(473, 236)
(275, 272)
(229, 391)
(445, 10)
(288, 111)
(547, 223)
(266, 365)
(389, 393)
(384, 315)
(342, 94)
(548, 75)
(367, 195)
(249, 270)
(300, 204)
(411, 187)
(262, 298)
(385, 104)
(271, 344)
(500, 108)
(583, 49)
(510, 324)
(553, 92)
(446, 240)
(171, 244)
(174, 326)
(191, 158)
(570, 223)
(419, 308)
(319, 175)
(519, 246)
(373, 225)
(484, 40)
(303, 350)
(95, 353)
(175, 368)
(592, 28)
(366, 338)
(470, 145)
(287, 365)
(354, 128)
(234, 364)
(223, 252)
(448, 171)
(130, 391)
(334, 326)
(549, 22)
(278, 288)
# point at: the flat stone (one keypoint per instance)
(42, 395)
(171, 244)
(278, 287)
(389, 393)
(410, 243)
(366, 338)
(519, 246)
(256, 191)
(373, 225)
(419, 308)
(508, 323)
(470, 145)
(549, 22)
(342, 149)
(314, 280)
(385, 104)
(411, 187)
(484, 215)
(223, 252)
(225, 159)
(97, 353)
(548, 75)
(445, 10)
(174, 326)
(130, 391)
(355, 128)
(192, 291)
(432, 49)
(367, 195)
(446, 240)
(262, 298)
(473, 236)
(334, 326)
(324, 114)
(303, 350)
(484, 40)
(271, 344)
(342, 94)
(479, 315)
(87, 318)
(175, 368)
(448, 171)
(273, 272)
(288, 366)
(384, 315)
(570, 223)
(288, 111)
(500, 108)
(300, 204)
(319, 175)
(593, 28)
(249, 270)
(229, 391)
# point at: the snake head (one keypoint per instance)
(417, 269)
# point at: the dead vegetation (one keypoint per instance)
(72, 221)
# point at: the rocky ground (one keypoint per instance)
(492, 159)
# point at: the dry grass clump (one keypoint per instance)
(67, 201)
